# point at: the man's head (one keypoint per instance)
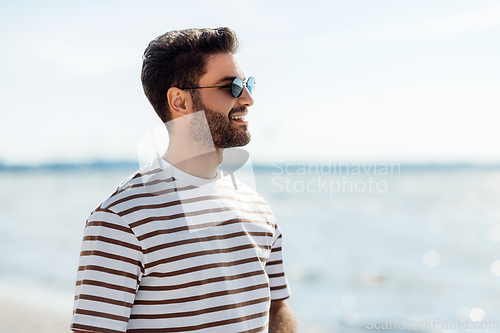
(179, 61)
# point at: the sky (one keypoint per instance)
(406, 81)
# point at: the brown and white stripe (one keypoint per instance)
(169, 252)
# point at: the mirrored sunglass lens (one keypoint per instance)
(251, 84)
(237, 87)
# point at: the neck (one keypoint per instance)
(191, 148)
(194, 162)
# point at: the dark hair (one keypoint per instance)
(178, 59)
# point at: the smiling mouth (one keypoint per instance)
(239, 119)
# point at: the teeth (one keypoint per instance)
(238, 117)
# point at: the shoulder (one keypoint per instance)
(141, 184)
(247, 197)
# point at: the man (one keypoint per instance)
(177, 247)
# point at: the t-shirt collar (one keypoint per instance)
(185, 177)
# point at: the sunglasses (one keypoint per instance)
(236, 86)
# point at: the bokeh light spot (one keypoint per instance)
(494, 233)
(431, 259)
(495, 267)
(476, 314)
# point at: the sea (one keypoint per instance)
(367, 246)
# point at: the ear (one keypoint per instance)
(178, 102)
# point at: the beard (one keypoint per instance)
(224, 134)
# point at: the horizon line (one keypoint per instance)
(108, 164)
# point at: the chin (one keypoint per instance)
(242, 144)
(236, 142)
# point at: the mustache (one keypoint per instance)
(243, 109)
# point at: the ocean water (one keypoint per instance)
(409, 245)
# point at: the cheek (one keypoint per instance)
(221, 102)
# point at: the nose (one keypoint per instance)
(245, 98)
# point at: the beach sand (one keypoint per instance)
(19, 318)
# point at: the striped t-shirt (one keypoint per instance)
(170, 252)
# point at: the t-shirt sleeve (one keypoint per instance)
(110, 269)
(275, 269)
